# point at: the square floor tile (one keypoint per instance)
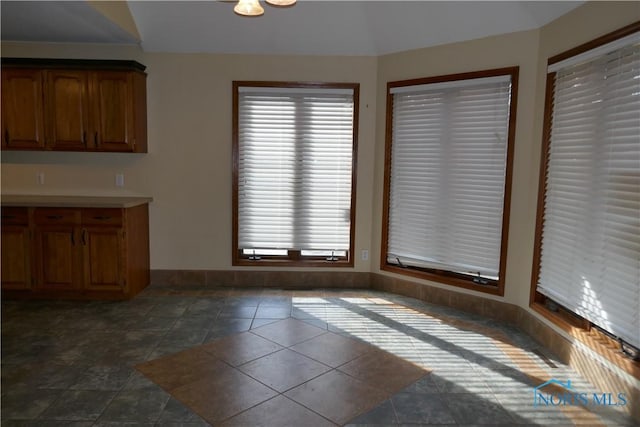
(284, 369)
(288, 332)
(332, 349)
(176, 413)
(238, 312)
(180, 368)
(337, 396)
(103, 378)
(240, 348)
(26, 403)
(79, 405)
(223, 395)
(136, 406)
(281, 412)
(383, 414)
(383, 370)
(468, 408)
(422, 408)
(268, 312)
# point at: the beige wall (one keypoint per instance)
(188, 167)
(529, 50)
(517, 49)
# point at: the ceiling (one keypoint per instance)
(310, 27)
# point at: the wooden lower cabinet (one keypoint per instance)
(56, 253)
(103, 253)
(91, 253)
(16, 249)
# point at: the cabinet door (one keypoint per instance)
(58, 257)
(16, 265)
(22, 109)
(113, 111)
(103, 256)
(67, 109)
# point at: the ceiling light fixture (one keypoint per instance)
(253, 7)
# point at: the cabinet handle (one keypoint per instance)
(102, 217)
(84, 138)
(84, 237)
(8, 216)
(95, 138)
(54, 216)
(73, 239)
(6, 136)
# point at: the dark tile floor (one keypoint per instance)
(273, 358)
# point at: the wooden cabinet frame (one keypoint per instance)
(73, 105)
(86, 253)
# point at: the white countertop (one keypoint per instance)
(67, 201)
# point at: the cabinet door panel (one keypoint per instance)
(103, 258)
(58, 258)
(113, 115)
(67, 109)
(22, 109)
(16, 266)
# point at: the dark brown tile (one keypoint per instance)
(337, 396)
(179, 369)
(223, 394)
(383, 370)
(240, 348)
(178, 277)
(220, 278)
(281, 412)
(288, 332)
(435, 295)
(332, 349)
(284, 369)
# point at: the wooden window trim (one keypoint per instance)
(447, 277)
(580, 329)
(294, 259)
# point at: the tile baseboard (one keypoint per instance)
(569, 353)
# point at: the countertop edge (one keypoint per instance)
(66, 201)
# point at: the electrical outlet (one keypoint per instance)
(40, 178)
(365, 254)
(119, 180)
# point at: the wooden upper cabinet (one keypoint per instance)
(113, 111)
(22, 109)
(67, 110)
(74, 105)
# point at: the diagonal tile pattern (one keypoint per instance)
(256, 357)
(223, 378)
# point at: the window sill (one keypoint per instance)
(447, 280)
(291, 263)
(592, 338)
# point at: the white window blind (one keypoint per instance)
(448, 163)
(590, 254)
(295, 150)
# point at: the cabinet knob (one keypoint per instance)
(54, 216)
(102, 217)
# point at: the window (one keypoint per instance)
(588, 235)
(294, 150)
(449, 150)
